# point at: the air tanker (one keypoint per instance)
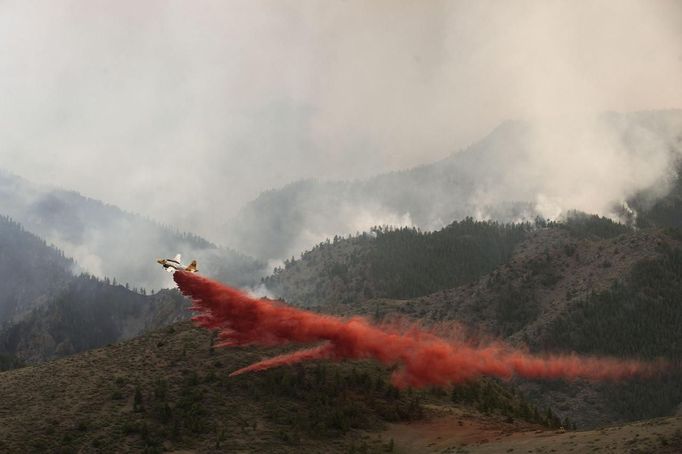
(174, 264)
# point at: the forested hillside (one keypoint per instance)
(660, 211)
(30, 270)
(537, 298)
(46, 311)
(395, 263)
(639, 316)
(8, 362)
(91, 312)
(586, 285)
(86, 314)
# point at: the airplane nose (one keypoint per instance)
(160, 261)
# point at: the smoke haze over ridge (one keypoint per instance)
(523, 169)
(155, 106)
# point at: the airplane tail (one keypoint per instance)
(192, 268)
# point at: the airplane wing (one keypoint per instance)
(177, 258)
(170, 269)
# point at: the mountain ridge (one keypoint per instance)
(46, 311)
(491, 179)
(33, 270)
(551, 275)
(109, 242)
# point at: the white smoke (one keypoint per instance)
(177, 109)
(588, 163)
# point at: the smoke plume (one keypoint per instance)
(423, 357)
(159, 95)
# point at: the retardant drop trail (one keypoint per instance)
(422, 357)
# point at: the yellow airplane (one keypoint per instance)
(174, 264)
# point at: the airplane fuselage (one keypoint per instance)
(172, 265)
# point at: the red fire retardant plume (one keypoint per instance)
(422, 357)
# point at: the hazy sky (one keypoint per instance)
(185, 110)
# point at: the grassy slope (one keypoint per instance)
(457, 435)
(170, 390)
